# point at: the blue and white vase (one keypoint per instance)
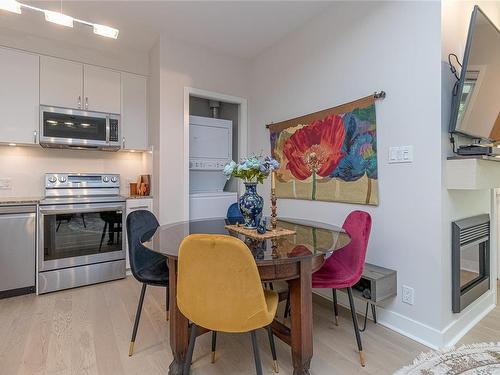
(251, 205)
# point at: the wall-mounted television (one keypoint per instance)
(475, 109)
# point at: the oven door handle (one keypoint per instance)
(80, 208)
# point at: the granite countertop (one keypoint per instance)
(11, 201)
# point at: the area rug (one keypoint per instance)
(477, 359)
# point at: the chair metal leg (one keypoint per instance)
(335, 306)
(189, 354)
(287, 306)
(365, 320)
(374, 313)
(356, 328)
(214, 344)
(256, 355)
(273, 349)
(167, 302)
(84, 223)
(137, 318)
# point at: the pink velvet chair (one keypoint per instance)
(344, 268)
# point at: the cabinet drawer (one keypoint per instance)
(140, 204)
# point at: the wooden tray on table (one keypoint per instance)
(252, 233)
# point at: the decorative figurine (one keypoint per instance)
(262, 226)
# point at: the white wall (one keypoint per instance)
(183, 65)
(349, 52)
(154, 101)
(458, 204)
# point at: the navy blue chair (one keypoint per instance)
(234, 214)
(147, 266)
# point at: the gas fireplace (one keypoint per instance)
(470, 260)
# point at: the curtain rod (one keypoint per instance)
(376, 95)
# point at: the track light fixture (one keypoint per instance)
(59, 18)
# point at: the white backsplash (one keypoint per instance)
(25, 167)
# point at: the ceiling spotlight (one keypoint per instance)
(106, 31)
(10, 6)
(59, 18)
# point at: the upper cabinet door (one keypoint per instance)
(134, 115)
(102, 89)
(61, 83)
(19, 100)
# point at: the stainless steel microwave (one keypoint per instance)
(72, 128)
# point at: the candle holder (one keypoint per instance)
(273, 209)
(274, 247)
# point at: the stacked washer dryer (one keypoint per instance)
(210, 148)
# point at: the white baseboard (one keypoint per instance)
(410, 328)
(469, 318)
(422, 333)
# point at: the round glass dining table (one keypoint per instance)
(292, 258)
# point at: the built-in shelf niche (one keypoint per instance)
(472, 173)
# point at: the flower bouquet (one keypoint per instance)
(252, 170)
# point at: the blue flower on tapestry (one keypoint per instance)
(360, 148)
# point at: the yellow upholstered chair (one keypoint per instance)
(219, 288)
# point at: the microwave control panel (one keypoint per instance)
(113, 130)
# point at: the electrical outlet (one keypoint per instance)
(5, 183)
(408, 295)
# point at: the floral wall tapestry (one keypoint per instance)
(329, 155)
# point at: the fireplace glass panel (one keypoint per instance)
(470, 269)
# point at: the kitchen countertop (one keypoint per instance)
(12, 201)
(138, 196)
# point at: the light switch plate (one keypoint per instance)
(400, 154)
(5, 184)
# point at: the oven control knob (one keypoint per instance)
(62, 179)
(52, 179)
(114, 179)
(105, 179)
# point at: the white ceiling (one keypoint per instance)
(241, 28)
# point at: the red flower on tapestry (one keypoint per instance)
(315, 148)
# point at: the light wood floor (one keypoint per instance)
(87, 331)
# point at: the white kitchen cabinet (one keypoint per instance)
(19, 96)
(102, 89)
(134, 112)
(61, 83)
(134, 204)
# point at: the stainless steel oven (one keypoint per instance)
(81, 231)
(71, 128)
